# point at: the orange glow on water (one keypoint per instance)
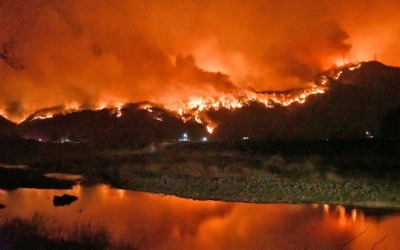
(159, 222)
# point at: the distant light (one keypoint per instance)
(354, 214)
(245, 138)
(184, 137)
(204, 139)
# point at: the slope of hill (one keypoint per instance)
(356, 105)
(359, 102)
(7, 128)
(138, 123)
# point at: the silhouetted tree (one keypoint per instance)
(8, 56)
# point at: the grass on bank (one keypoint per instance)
(39, 232)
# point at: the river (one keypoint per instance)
(152, 221)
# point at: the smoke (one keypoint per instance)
(58, 52)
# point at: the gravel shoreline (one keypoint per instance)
(273, 189)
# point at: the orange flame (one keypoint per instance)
(196, 108)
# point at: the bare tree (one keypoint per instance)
(8, 56)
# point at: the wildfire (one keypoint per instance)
(42, 117)
(51, 112)
(210, 128)
(196, 108)
(3, 114)
(118, 109)
(337, 72)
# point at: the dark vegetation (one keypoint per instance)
(363, 172)
(15, 178)
(378, 159)
(39, 232)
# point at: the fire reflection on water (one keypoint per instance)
(150, 221)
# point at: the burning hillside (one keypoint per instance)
(89, 55)
(196, 108)
(337, 105)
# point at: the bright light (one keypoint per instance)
(204, 139)
(326, 208)
(354, 214)
(119, 109)
(210, 129)
(184, 137)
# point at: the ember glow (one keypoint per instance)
(196, 108)
(202, 55)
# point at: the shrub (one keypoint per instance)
(39, 232)
(308, 166)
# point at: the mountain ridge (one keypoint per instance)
(359, 101)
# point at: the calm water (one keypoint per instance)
(149, 221)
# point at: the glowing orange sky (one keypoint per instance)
(95, 51)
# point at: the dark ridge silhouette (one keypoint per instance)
(360, 104)
(134, 125)
(357, 105)
(7, 128)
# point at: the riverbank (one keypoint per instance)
(13, 178)
(255, 187)
(274, 189)
(356, 173)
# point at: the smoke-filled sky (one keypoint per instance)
(93, 51)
